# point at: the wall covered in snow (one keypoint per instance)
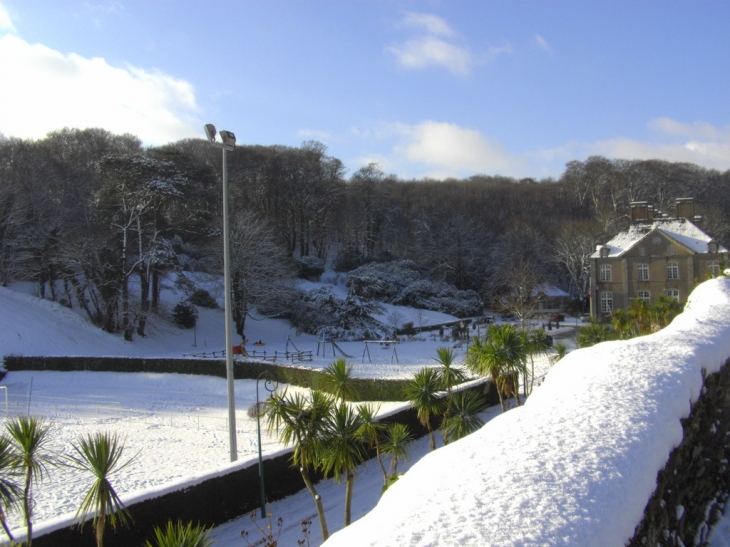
(578, 463)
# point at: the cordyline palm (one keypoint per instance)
(10, 492)
(395, 443)
(341, 450)
(337, 380)
(536, 342)
(449, 376)
(300, 422)
(464, 418)
(180, 535)
(29, 436)
(370, 431)
(100, 454)
(501, 357)
(422, 392)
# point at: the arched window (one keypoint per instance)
(672, 270)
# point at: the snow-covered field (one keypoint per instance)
(177, 424)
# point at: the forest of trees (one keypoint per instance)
(84, 213)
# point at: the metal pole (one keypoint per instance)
(271, 383)
(228, 309)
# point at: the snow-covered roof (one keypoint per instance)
(578, 462)
(550, 291)
(680, 230)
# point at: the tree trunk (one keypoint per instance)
(348, 496)
(317, 501)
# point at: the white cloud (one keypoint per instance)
(542, 43)
(6, 24)
(43, 90)
(432, 51)
(440, 150)
(700, 143)
(430, 23)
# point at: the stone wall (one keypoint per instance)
(692, 488)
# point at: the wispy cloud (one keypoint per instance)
(540, 42)
(6, 24)
(53, 90)
(430, 23)
(432, 51)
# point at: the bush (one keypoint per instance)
(348, 259)
(382, 281)
(309, 267)
(440, 297)
(185, 315)
(203, 298)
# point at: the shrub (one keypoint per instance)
(185, 315)
(309, 267)
(348, 259)
(203, 298)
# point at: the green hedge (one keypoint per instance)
(368, 389)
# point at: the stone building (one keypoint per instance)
(656, 255)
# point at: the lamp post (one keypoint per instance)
(229, 142)
(270, 384)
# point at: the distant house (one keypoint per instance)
(551, 299)
(655, 256)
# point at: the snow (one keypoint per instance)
(577, 463)
(574, 466)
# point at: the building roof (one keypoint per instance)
(680, 230)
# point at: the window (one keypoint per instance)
(643, 295)
(642, 251)
(656, 240)
(673, 293)
(712, 246)
(714, 267)
(670, 250)
(607, 302)
(643, 272)
(672, 270)
(606, 272)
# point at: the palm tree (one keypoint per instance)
(181, 535)
(422, 391)
(593, 334)
(502, 358)
(536, 342)
(300, 422)
(29, 437)
(448, 377)
(561, 350)
(465, 417)
(100, 454)
(337, 379)
(341, 450)
(10, 492)
(396, 441)
(370, 431)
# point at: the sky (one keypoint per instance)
(430, 88)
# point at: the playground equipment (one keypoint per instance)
(324, 341)
(385, 344)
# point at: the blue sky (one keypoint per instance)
(425, 88)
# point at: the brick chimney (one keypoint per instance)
(641, 211)
(686, 208)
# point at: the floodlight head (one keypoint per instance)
(210, 131)
(229, 139)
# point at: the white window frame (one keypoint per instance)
(714, 267)
(606, 302)
(672, 270)
(670, 250)
(605, 273)
(643, 272)
(673, 293)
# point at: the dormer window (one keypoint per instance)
(712, 246)
(603, 251)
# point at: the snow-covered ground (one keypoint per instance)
(177, 425)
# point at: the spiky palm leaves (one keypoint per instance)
(449, 376)
(422, 392)
(29, 436)
(99, 454)
(502, 357)
(342, 450)
(337, 380)
(464, 417)
(10, 492)
(395, 443)
(370, 431)
(300, 422)
(180, 535)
